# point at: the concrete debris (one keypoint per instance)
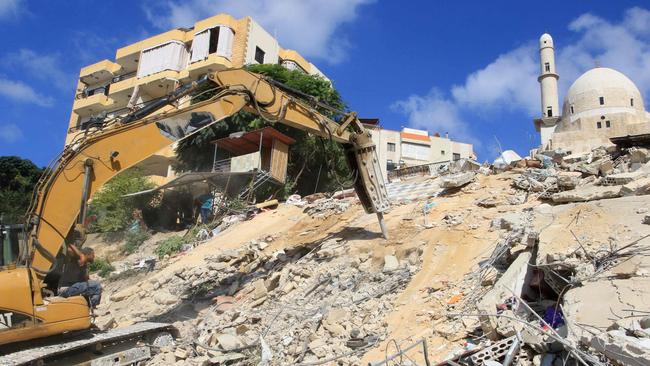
(540, 261)
(390, 263)
(587, 193)
(325, 207)
(457, 180)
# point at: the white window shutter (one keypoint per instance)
(168, 56)
(200, 46)
(224, 44)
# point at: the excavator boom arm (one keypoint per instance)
(89, 163)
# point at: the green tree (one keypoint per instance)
(17, 180)
(114, 211)
(309, 156)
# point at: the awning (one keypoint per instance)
(241, 143)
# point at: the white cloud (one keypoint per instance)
(45, 67)
(10, 8)
(509, 83)
(10, 133)
(435, 113)
(309, 26)
(20, 92)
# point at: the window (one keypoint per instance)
(390, 165)
(214, 39)
(608, 124)
(442, 152)
(632, 102)
(259, 55)
(599, 124)
(549, 111)
(572, 109)
(602, 100)
(390, 146)
(415, 151)
(547, 67)
(456, 156)
(169, 56)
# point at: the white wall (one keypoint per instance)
(258, 37)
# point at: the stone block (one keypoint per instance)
(586, 193)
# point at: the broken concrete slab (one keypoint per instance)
(568, 180)
(622, 178)
(636, 188)
(457, 180)
(638, 155)
(391, 263)
(585, 306)
(586, 193)
(512, 280)
(621, 348)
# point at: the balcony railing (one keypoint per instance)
(221, 166)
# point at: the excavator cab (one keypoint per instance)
(13, 242)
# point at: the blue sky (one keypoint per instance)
(464, 67)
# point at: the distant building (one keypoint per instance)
(411, 147)
(601, 104)
(153, 67)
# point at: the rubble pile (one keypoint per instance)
(555, 270)
(306, 304)
(325, 207)
(600, 174)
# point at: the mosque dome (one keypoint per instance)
(600, 91)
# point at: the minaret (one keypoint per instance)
(548, 83)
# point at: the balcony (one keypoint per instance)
(99, 73)
(92, 104)
(213, 63)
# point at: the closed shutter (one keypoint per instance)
(168, 56)
(415, 151)
(200, 46)
(224, 45)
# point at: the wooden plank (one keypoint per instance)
(279, 160)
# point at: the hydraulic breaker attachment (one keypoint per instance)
(369, 183)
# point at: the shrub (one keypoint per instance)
(102, 266)
(171, 245)
(114, 211)
(134, 239)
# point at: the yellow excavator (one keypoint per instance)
(29, 309)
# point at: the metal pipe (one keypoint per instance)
(513, 351)
(214, 158)
(88, 171)
(260, 149)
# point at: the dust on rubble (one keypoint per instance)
(508, 261)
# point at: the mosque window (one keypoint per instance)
(572, 109)
(602, 100)
(547, 67)
(631, 102)
(608, 124)
(599, 124)
(549, 112)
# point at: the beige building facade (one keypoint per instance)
(602, 103)
(155, 66)
(411, 147)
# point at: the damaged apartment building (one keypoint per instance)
(150, 69)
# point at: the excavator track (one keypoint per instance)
(114, 347)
